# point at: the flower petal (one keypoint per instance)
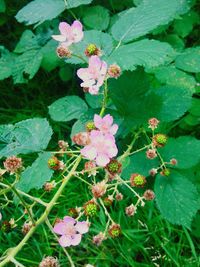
(108, 119)
(60, 228)
(82, 227)
(59, 38)
(102, 160)
(64, 28)
(69, 219)
(89, 152)
(76, 239)
(97, 120)
(65, 241)
(114, 129)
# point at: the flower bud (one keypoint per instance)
(153, 123)
(114, 230)
(159, 140)
(108, 201)
(49, 186)
(137, 180)
(130, 210)
(151, 153)
(73, 212)
(55, 164)
(63, 145)
(90, 126)
(98, 239)
(114, 167)
(49, 262)
(13, 164)
(26, 227)
(119, 196)
(6, 227)
(63, 52)
(173, 162)
(114, 71)
(92, 50)
(90, 168)
(90, 208)
(149, 195)
(165, 172)
(81, 139)
(153, 172)
(99, 189)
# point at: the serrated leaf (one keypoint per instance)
(102, 40)
(37, 174)
(75, 3)
(96, 17)
(38, 11)
(67, 108)
(6, 63)
(189, 60)
(26, 66)
(28, 41)
(177, 198)
(145, 18)
(24, 137)
(172, 76)
(147, 53)
(175, 102)
(185, 149)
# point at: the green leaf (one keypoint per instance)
(6, 63)
(172, 76)
(37, 174)
(145, 18)
(38, 11)
(2, 6)
(185, 149)
(96, 17)
(75, 3)
(95, 101)
(102, 40)
(195, 110)
(28, 41)
(65, 73)
(177, 198)
(67, 108)
(132, 98)
(50, 59)
(175, 102)
(189, 60)
(147, 53)
(26, 66)
(24, 137)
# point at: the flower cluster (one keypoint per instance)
(102, 145)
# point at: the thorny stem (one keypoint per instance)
(13, 251)
(106, 212)
(105, 96)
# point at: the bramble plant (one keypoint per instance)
(120, 146)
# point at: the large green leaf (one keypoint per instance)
(38, 11)
(67, 108)
(6, 63)
(96, 17)
(28, 41)
(2, 6)
(145, 18)
(50, 59)
(147, 53)
(177, 198)
(185, 149)
(172, 76)
(26, 66)
(102, 40)
(24, 137)
(189, 60)
(37, 174)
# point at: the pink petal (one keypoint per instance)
(76, 239)
(77, 25)
(94, 90)
(60, 228)
(59, 38)
(97, 120)
(108, 119)
(64, 28)
(89, 152)
(94, 62)
(102, 160)
(82, 227)
(114, 129)
(83, 74)
(112, 151)
(69, 219)
(65, 241)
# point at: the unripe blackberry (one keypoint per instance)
(114, 167)
(49, 262)
(159, 140)
(6, 227)
(54, 163)
(114, 71)
(108, 201)
(92, 50)
(165, 172)
(137, 180)
(114, 230)
(90, 208)
(90, 126)
(73, 212)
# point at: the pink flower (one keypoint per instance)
(93, 76)
(69, 34)
(71, 231)
(101, 148)
(105, 124)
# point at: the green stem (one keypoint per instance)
(13, 251)
(105, 96)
